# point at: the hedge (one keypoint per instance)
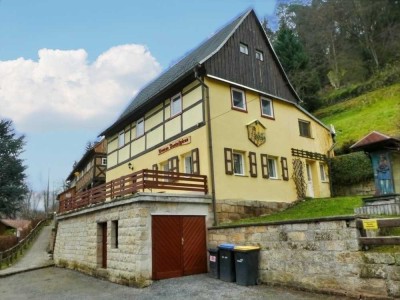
(351, 169)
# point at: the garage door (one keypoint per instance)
(179, 246)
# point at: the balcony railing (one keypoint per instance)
(152, 180)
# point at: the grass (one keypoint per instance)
(311, 208)
(353, 119)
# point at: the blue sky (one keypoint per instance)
(69, 68)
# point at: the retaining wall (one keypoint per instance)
(317, 255)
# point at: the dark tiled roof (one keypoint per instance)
(182, 68)
(374, 138)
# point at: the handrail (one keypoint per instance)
(10, 255)
(133, 183)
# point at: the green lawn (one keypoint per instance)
(311, 208)
(353, 119)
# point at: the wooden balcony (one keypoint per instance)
(153, 180)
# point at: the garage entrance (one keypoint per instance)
(179, 246)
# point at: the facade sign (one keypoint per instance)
(256, 133)
(182, 141)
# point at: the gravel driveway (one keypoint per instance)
(56, 283)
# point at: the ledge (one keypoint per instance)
(139, 198)
(285, 222)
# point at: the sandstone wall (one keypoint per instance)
(321, 256)
(78, 242)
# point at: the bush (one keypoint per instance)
(351, 169)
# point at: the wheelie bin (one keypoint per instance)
(214, 262)
(246, 264)
(226, 262)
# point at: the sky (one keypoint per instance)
(69, 68)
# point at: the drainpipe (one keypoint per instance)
(330, 168)
(205, 94)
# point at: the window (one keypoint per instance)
(104, 161)
(114, 234)
(322, 172)
(176, 105)
(244, 49)
(272, 171)
(238, 168)
(139, 127)
(238, 99)
(304, 127)
(267, 109)
(121, 139)
(191, 162)
(259, 55)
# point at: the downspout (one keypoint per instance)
(330, 166)
(205, 94)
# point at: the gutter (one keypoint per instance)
(205, 92)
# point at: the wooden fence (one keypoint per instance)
(9, 256)
(378, 240)
(153, 180)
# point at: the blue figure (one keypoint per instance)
(383, 174)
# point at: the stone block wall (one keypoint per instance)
(229, 210)
(322, 256)
(78, 242)
(362, 189)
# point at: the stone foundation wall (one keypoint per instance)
(362, 189)
(228, 210)
(78, 242)
(321, 256)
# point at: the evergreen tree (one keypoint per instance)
(12, 177)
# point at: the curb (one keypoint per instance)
(2, 275)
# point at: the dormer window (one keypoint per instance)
(244, 49)
(259, 55)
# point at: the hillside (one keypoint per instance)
(377, 110)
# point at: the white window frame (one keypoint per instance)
(259, 55)
(121, 139)
(244, 48)
(174, 99)
(322, 172)
(241, 156)
(244, 108)
(104, 161)
(139, 129)
(309, 128)
(273, 173)
(188, 163)
(272, 115)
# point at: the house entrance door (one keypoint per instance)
(179, 246)
(310, 184)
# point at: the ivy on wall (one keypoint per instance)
(351, 169)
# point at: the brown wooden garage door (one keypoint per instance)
(179, 246)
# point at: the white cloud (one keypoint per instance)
(62, 90)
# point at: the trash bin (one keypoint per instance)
(213, 262)
(227, 262)
(246, 264)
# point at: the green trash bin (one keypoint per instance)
(246, 264)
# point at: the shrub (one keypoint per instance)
(351, 168)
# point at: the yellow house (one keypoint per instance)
(228, 111)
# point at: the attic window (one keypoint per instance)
(244, 49)
(139, 127)
(259, 55)
(121, 139)
(176, 105)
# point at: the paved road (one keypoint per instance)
(36, 256)
(55, 283)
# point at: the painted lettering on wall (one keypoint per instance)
(182, 141)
